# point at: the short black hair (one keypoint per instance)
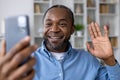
(62, 6)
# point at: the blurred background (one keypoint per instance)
(104, 12)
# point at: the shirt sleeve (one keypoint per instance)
(109, 72)
(113, 71)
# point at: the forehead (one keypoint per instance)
(57, 13)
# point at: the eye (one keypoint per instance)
(48, 24)
(62, 24)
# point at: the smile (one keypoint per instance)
(55, 38)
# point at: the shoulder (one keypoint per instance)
(81, 52)
(86, 56)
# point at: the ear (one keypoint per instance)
(72, 29)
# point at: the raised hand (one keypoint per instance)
(9, 63)
(101, 44)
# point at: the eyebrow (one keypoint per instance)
(48, 20)
(63, 20)
(59, 20)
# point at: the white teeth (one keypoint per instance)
(55, 37)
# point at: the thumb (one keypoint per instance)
(106, 30)
(3, 49)
(89, 48)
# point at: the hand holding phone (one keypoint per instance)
(16, 28)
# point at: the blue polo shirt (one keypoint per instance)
(76, 65)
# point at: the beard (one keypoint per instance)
(57, 47)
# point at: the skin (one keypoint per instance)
(57, 31)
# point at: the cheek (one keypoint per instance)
(45, 31)
(67, 33)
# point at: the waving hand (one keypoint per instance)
(101, 44)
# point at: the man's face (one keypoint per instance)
(57, 29)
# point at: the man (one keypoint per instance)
(56, 59)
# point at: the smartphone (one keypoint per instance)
(16, 28)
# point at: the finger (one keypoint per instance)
(30, 76)
(90, 49)
(93, 28)
(106, 31)
(23, 70)
(2, 53)
(90, 31)
(98, 30)
(19, 46)
(19, 58)
(3, 50)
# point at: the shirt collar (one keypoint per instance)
(44, 49)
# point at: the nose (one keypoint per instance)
(55, 28)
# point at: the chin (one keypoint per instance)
(56, 46)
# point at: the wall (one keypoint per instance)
(68, 3)
(16, 7)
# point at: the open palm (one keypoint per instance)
(101, 44)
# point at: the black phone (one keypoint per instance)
(16, 28)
